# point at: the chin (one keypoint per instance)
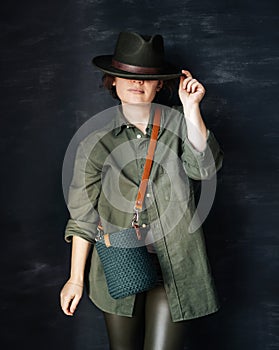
(135, 101)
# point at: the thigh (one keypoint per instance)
(126, 333)
(160, 331)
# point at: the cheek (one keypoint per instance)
(119, 91)
(153, 88)
(153, 91)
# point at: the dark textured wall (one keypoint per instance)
(49, 89)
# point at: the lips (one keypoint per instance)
(136, 91)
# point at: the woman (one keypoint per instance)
(155, 319)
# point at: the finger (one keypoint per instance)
(65, 305)
(184, 82)
(195, 87)
(190, 84)
(186, 73)
(185, 78)
(74, 304)
(65, 301)
(198, 87)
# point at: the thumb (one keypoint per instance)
(182, 78)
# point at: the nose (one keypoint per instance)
(137, 81)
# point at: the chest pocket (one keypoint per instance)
(171, 182)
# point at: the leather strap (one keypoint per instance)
(144, 178)
(149, 160)
(135, 69)
(107, 240)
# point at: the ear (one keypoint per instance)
(160, 85)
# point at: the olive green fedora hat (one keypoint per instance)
(137, 57)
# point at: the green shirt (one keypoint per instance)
(107, 173)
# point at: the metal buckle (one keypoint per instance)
(99, 235)
(135, 221)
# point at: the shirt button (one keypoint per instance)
(148, 195)
(128, 126)
(138, 136)
(143, 225)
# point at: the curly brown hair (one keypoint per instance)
(108, 80)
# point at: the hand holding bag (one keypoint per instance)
(128, 267)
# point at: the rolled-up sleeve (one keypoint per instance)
(202, 165)
(83, 197)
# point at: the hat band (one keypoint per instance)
(134, 69)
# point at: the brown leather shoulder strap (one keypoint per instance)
(144, 178)
(149, 159)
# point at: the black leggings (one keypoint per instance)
(151, 327)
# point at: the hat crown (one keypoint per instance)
(137, 56)
(139, 50)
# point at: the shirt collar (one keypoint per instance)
(120, 122)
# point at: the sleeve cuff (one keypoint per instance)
(85, 230)
(193, 149)
(203, 165)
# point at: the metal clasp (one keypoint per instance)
(100, 233)
(135, 223)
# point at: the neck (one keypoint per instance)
(137, 114)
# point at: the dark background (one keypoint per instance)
(49, 89)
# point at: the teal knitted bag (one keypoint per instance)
(128, 266)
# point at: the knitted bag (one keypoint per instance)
(128, 267)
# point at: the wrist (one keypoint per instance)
(75, 283)
(76, 279)
(191, 108)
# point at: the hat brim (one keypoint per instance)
(104, 64)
